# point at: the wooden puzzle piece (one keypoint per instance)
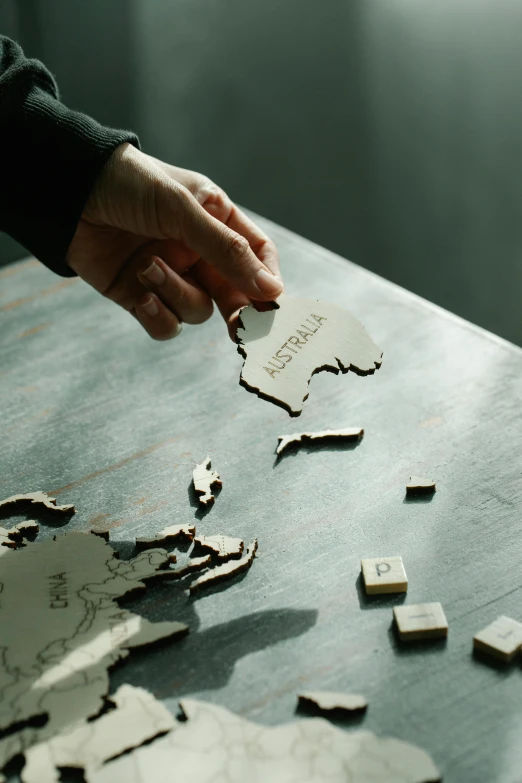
(167, 536)
(384, 575)
(326, 436)
(213, 744)
(37, 498)
(417, 485)
(14, 535)
(204, 478)
(327, 701)
(194, 564)
(224, 547)
(60, 617)
(138, 718)
(502, 638)
(284, 347)
(227, 570)
(420, 621)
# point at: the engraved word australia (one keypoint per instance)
(281, 358)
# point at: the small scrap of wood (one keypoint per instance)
(224, 547)
(41, 498)
(326, 436)
(326, 701)
(22, 530)
(227, 570)
(204, 478)
(195, 564)
(167, 536)
(417, 485)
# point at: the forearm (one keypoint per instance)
(50, 158)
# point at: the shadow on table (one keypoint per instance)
(383, 601)
(202, 660)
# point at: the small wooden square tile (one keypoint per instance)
(384, 575)
(501, 639)
(418, 486)
(420, 621)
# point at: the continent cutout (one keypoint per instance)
(213, 744)
(62, 630)
(326, 436)
(284, 347)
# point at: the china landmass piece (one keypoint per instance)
(326, 701)
(204, 479)
(285, 346)
(62, 630)
(326, 436)
(215, 746)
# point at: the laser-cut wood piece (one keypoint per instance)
(13, 536)
(227, 570)
(326, 436)
(194, 564)
(167, 536)
(59, 616)
(213, 744)
(502, 638)
(204, 479)
(420, 621)
(36, 498)
(138, 718)
(224, 547)
(329, 702)
(284, 347)
(418, 486)
(384, 575)
(102, 532)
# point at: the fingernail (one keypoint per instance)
(154, 273)
(267, 283)
(150, 307)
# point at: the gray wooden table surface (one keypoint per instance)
(99, 415)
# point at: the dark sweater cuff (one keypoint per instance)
(53, 158)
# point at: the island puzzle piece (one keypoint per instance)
(284, 347)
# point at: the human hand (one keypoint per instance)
(165, 242)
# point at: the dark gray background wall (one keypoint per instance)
(387, 130)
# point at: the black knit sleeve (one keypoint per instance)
(50, 157)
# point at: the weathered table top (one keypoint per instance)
(99, 415)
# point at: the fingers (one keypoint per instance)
(227, 250)
(261, 245)
(185, 300)
(226, 296)
(156, 318)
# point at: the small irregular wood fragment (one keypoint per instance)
(204, 479)
(326, 436)
(41, 498)
(330, 702)
(224, 547)
(167, 536)
(14, 535)
(227, 570)
(102, 532)
(417, 486)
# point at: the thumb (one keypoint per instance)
(219, 245)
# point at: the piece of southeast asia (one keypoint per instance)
(167, 536)
(62, 630)
(284, 347)
(214, 745)
(223, 547)
(204, 479)
(326, 436)
(227, 570)
(137, 718)
(13, 537)
(330, 702)
(417, 486)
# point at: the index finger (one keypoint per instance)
(229, 251)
